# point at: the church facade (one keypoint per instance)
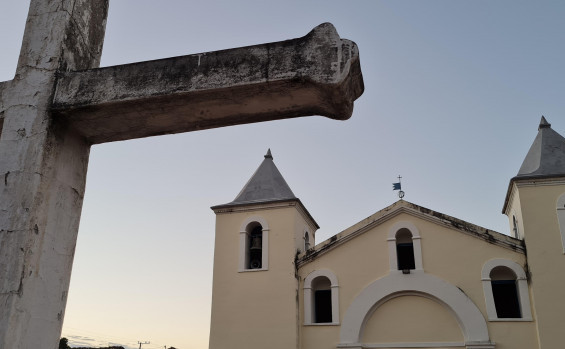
(405, 277)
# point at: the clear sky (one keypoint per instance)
(454, 91)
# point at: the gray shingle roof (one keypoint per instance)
(546, 156)
(266, 184)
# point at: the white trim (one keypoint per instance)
(402, 224)
(536, 182)
(419, 345)
(468, 316)
(416, 242)
(260, 206)
(405, 345)
(243, 241)
(561, 218)
(521, 287)
(251, 219)
(242, 251)
(308, 297)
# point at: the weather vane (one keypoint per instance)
(398, 186)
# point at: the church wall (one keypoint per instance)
(365, 258)
(414, 325)
(546, 260)
(255, 309)
(356, 264)
(302, 225)
(442, 246)
(514, 212)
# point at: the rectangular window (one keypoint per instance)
(506, 299)
(405, 255)
(323, 306)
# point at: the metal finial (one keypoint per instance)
(269, 155)
(543, 123)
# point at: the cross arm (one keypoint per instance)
(316, 74)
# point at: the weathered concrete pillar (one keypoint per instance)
(43, 168)
(58, 105)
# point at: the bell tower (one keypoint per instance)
(535, 206)
(255, 288)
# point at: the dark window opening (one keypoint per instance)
(322, 300)
(255, 250)
(405, 250)
(405, 255)
(322, 306)
(505, 297)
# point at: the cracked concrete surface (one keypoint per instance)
(59, 104)
(43, 166)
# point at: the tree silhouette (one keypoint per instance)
(64, 343)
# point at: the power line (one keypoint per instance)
(102, 339)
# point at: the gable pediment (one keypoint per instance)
(404, 207)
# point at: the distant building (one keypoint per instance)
(405, 277)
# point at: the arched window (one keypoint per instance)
(254, 244)
(322, 293)
(404, 247)
(306, 241)
(561, 218)
(506, 291)
(254, 253)
(405, 250)
(321, 298)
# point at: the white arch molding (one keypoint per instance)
(521, 286)
(308, 304)
(561, 218)
(468, 316)
(243, 241)
(416, 243)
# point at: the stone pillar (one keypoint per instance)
(43, 167)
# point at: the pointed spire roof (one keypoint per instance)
(267, 184)
(546, 157)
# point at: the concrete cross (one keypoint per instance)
(59, 104)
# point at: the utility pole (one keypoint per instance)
(141, 343)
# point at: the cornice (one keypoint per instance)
(268, 205)
(529, 181)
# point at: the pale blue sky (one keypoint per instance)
(454, 91)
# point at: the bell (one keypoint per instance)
(256, 243)
(255, 264)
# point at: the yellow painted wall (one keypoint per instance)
(256, 309)
(447, 253)
(422, 320)
(546, 260)
(515, 210)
